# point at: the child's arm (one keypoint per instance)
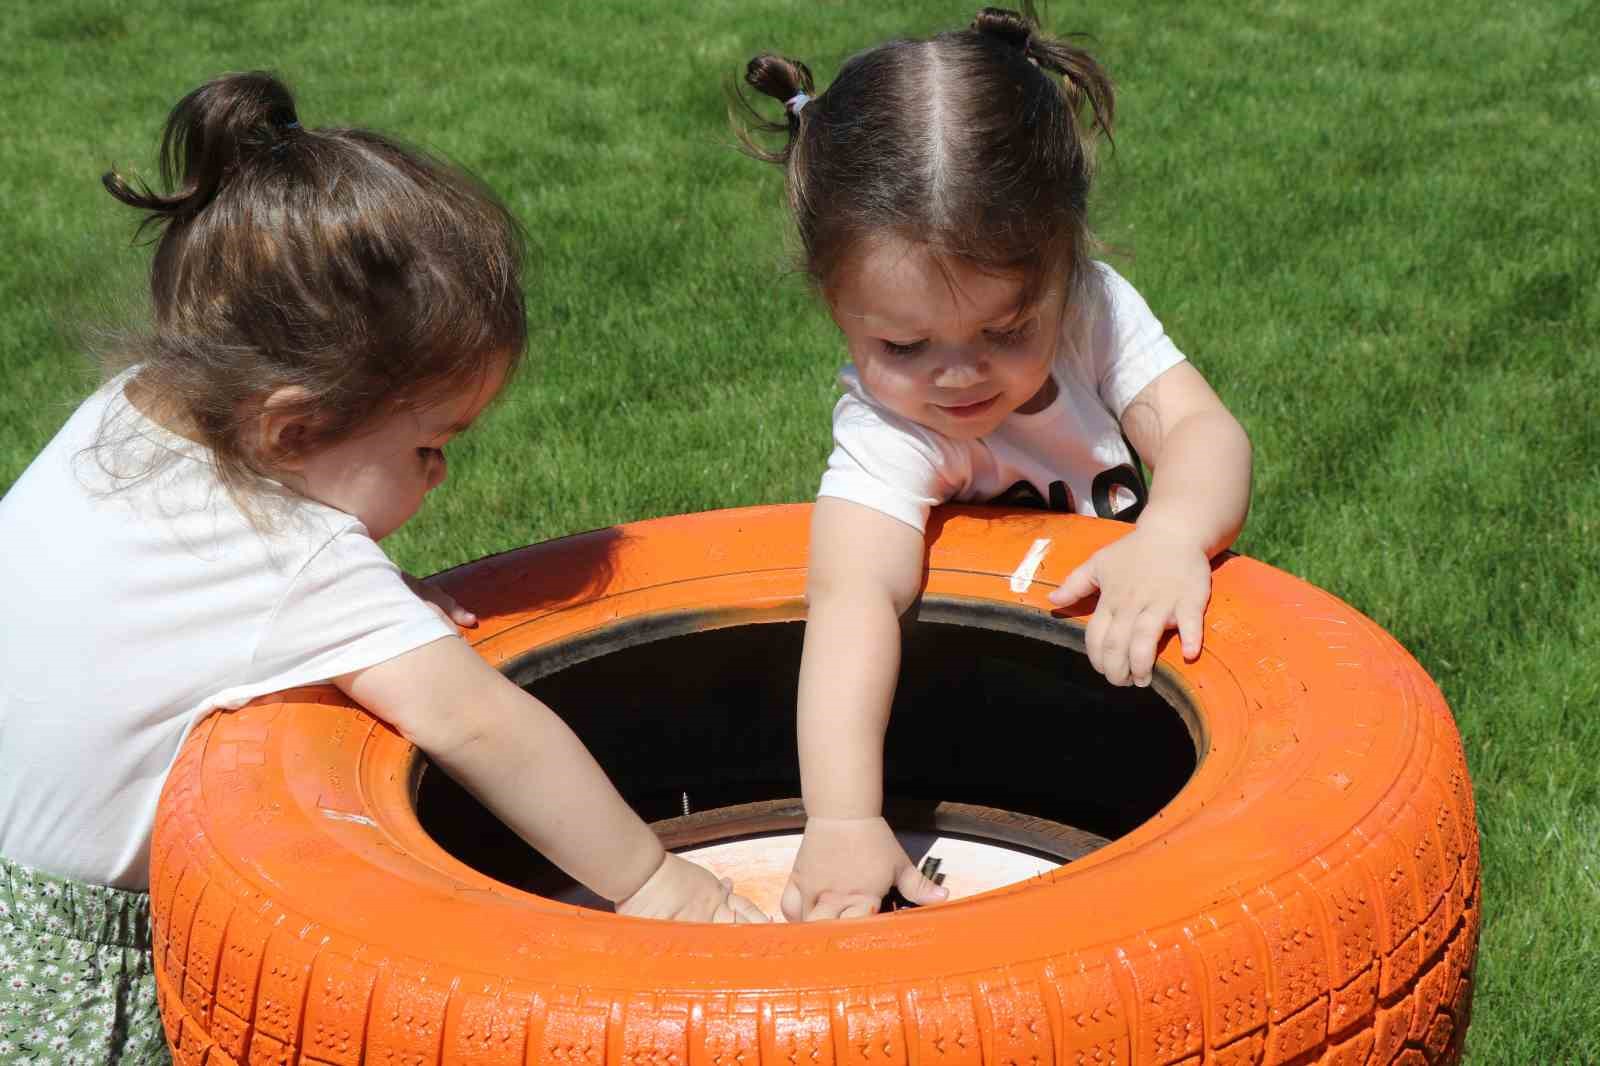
(865, 569)
(523, 763)
(1159, 576)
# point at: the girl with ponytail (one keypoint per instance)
(330, 309)
(940, 190)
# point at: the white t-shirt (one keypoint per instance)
(1071, 456)
(132, 606)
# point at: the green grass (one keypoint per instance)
(1371, 225)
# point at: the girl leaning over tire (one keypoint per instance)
(330, 309)
(940, 191)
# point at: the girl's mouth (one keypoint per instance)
(968, 410)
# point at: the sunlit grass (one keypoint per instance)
(1372, 226)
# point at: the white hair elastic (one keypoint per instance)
(796, 102)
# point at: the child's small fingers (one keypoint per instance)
(463, 617)
(1190, 614)
(746, 911)
(1094, 636)
(918, 889)
(792, 902)
(831, 905)
(1142, 643)
(1078, 585)
(825, 910)
(1191, 630)
(1112, 660)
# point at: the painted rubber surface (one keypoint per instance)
(1310, 896)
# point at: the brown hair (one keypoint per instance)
(365, 272)
(963, 142)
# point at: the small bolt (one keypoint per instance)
(686, 804)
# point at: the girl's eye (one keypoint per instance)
(1012, 337)
(904, 349)
(426, 454)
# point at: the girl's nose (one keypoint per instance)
(960, 371)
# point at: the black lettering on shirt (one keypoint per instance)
(1125, 477)
(1103, 492)
(1023, 494)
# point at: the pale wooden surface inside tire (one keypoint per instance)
(759, 866)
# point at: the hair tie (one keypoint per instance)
(290, 125)
(795, 103)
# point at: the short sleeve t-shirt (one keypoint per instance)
(140, 600)
(1071, 456)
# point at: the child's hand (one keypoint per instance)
(442, 602)
(1152, 580)
(846, 866)
(682, 891)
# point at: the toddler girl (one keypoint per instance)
(940, 191)
(330, 310)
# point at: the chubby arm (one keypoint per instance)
(865, 569)
(524, 764)
(1159, 577)
(1199, 457)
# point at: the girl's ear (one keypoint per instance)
(283, 427)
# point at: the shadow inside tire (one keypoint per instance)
(996, 707)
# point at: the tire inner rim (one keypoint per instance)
(1002, 736)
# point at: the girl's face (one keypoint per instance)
(942, 343)
(382, 476)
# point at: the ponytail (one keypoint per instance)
(212, 133)
(1083, 79)
(785, 80)
(340, 262)
(975, 143)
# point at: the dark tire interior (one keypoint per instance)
(996, 707)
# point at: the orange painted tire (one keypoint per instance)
(1310, 894)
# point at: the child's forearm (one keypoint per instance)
(528, 767)
(1200, 488)
(847, 678)
(517, 757)
(865, 568)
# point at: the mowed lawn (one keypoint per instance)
(1373, 226)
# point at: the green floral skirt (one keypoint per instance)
(76, 982)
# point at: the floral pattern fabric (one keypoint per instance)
(77, 986)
